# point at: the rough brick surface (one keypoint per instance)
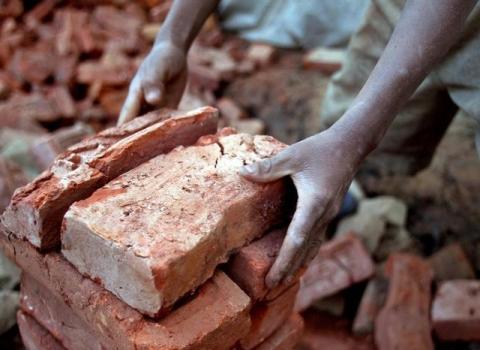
(219, 301)
(339, 263)
(36, 210)
(34, 336)
(54, 315)
(456, 310)
(286, 336)
(250, 265)
(450, 263)
(404, 321)
(372, 302)
(158, 232)
(267, 317)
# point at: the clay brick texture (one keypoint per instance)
(36, 210)
(404, 321)
(286, 336)
(216, 317)
(456, 310)
(34, 336)
(158, 231)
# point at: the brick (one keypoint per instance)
(54, 315)
(220, 301)
(37, 209)
(286, 337)
(159, 247)
(339, 264)
(261, 54)
(269, 316)
(229, 110)
(450, 263)
(325, 60)
(372, 302)
(456, 310)
(327, 332)
(404, 321)
(250, 265)
(34, 336)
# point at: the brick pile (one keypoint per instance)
(145, 237)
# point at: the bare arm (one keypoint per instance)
(323, 165)
(161, 78)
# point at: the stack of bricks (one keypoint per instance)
(144, 236)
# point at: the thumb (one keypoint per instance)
(131, 106)
(154, 94)
(270, 169)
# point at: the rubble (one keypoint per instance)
(286, 336)
(8, 309)
(451, 263)
(392, 210)
(325, 60)
(34, 336)
(456, 310)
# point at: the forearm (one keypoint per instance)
(184, 21)
(423, 35)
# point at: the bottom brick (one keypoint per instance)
(34, 336)
(456, 310)
(286, 337)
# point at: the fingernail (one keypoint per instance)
(247, 170)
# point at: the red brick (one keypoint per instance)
(229, 110)
(372, 302)
(37, 209)
(54, 315)
(261, 54)
(249, 267)
(286, 337)
(215, 318)
(404, 321)
(325, 60)
(339, 264)
(456, 310)
(450, 263)
(327, 332)
(169, 243)
(34, 336)
(269, 316)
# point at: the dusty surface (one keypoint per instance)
(158, 231)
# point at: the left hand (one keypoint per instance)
(322, 168)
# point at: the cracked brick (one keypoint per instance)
(34, 336)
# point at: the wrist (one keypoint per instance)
(166, 38)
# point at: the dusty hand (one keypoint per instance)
(321, 168)
(159, 81)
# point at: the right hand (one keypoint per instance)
(159, 81)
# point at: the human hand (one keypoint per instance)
(159, 81)
(321, 167)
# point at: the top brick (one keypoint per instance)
(36, 210)
(158, 231)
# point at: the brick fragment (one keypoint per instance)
(286, 337)
(151, 249)
(372, 302)
(267, 317)
(339, 264)
(450, 263)
(34, 336)
(36, 210)
(230, 110)
(216, 317)
(404, 321)
(456, 310)
(261, 54)
(250, 265)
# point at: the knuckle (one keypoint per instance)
(298, 241)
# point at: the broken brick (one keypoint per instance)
(229, 110)
(286, 337)
(261, 54)
(220, 301)
(159, 247)
(339, 264)
(325, 60)
(34, 336)
(372, 302)
(36, 210)
(269, 316)
(456, 310)
(250, 265)
(404, 321)
(451, 263)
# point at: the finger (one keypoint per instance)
(295, 242)
(314, 245)
(270, 169)
(154, 94)
(131, 106)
